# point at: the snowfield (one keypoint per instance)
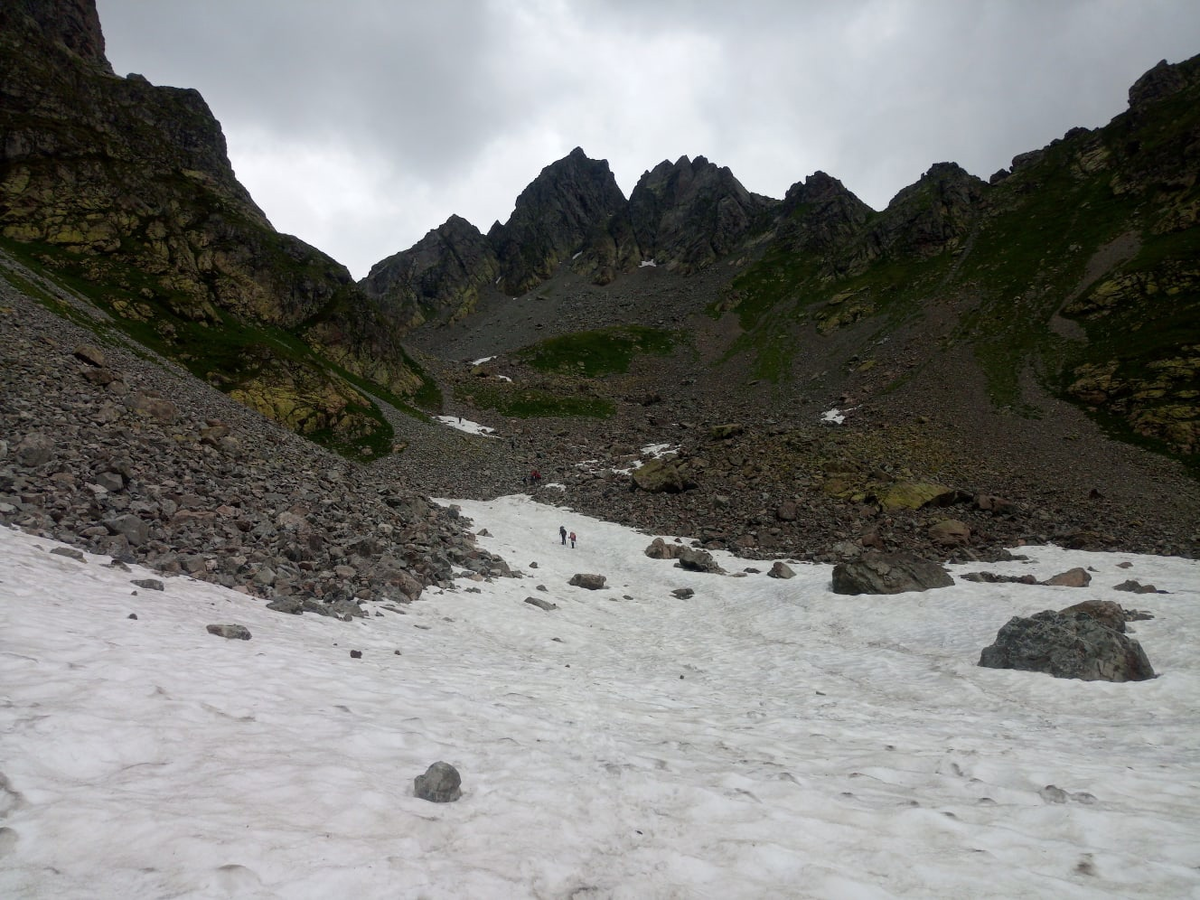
(765, 738)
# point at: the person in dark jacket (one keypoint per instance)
(562, 533)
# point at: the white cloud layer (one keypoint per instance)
(361, 126)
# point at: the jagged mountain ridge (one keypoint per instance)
(684, 216)
(128, 187)
(1049, 266)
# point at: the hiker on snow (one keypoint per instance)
(562, 533)
(572, 540)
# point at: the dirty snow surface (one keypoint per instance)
(764, 738)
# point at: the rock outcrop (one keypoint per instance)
(439, 280)
(128, 187)
(688, 214)
(569, 201)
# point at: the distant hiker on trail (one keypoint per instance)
(535, 477)
(562, 533)
(572, 540)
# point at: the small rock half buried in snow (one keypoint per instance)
(233, 632)
(439, 784)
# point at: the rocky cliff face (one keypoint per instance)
(820, 215)
(690, 214)
(129, 187)
(1077, 264)
(926, 218)
(440, 279)
(567, 202)
(74, 24)
(683, 215)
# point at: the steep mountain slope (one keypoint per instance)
(1073, 274)
(1032, 337)
(988, 338)
(1078, 266)
(126, 188)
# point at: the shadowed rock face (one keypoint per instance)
(688, 214)
(121, 182)
(925, 218)
(439, 280)
(1067, 645)
(820, 213)
(73, 23)
(568, 201)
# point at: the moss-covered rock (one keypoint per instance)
(912, 495)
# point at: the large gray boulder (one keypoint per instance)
(658, 476)
(35, 450)
(888, 573)
(135, 529)
(697, 560)
(1067, 644)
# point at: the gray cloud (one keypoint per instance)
(360, 125)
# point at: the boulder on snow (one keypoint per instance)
(1067, 645)
(660, 549)
(1075, 577)
(888, 573)
(1134, 586)
(1106, 612)
(780, 569)
(440, 784)
(697, 560)
(590, 582)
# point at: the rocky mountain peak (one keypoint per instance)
(930, 216)
(73, 24)
(439, 278)
(815, 188)
(1159, 82)
(820, 212)
(687, 214)
(570, 199)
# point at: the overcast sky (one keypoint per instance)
(359, 125)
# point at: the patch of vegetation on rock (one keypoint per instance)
(604, 351)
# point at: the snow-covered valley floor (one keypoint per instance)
(764, 738)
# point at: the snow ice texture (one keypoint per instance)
(764, 738)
